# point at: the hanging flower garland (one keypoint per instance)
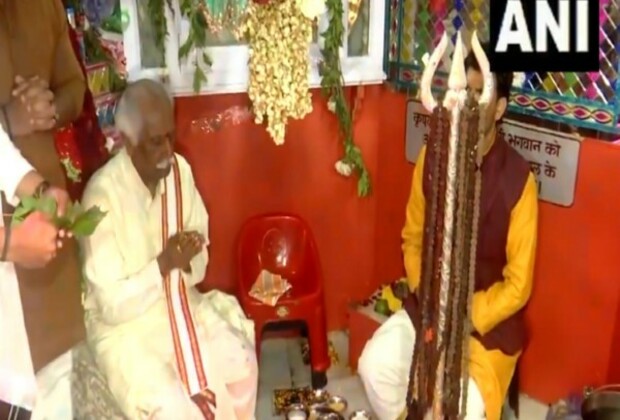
(279, 34)
(332, 86)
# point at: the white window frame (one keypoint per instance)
(229, 72)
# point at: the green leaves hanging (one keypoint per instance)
(194, 11)
(332, 83)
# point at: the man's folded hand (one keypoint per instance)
(180, 249)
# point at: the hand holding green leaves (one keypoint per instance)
(75, 220)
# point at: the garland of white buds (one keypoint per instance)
(279, 35)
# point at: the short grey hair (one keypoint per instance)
(128, 117)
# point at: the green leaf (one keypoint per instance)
(155, 10)
(74, 211)
(29, 203)
(63, 222)
(71, 214)
(186, 7)
(19, 215)
(207, 59)
(186, 47)
(26, 206)
(199, 78)
(198, 26)
(86, 223)
(47, 205)
(363, 185)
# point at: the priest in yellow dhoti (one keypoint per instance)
(504, 269)
(166, 350)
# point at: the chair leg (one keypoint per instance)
(319, 379)
(319, 350)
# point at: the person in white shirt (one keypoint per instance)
(31, 244)
(166, 350)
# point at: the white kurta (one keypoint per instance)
(17, 379)
(384, 368)
(126, 314)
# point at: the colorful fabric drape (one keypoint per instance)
(437, 6)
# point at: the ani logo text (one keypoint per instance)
(544, 35)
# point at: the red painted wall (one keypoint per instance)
(574, 314)
(241, 172)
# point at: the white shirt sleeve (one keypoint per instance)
(13, 168)
(119, 297)
(196, 219)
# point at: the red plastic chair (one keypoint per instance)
(283, 244)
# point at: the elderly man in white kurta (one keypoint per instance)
(167, 351)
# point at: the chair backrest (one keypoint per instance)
(280, 243)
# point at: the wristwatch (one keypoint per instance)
(42, 188)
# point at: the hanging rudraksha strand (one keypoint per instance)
(455, 315)
(459, 335)
(431, 341)
(430, 359)
(419, 397)
(485, 98)
(471, 139)
(430, 167)
(419, 375)
(457, 82)
(474, 246)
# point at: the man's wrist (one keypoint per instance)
(29, 184)
(164, 266)
(42, 188)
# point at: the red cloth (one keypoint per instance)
(82, 141)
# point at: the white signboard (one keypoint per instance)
(553, 156)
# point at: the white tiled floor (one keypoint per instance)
(281, 367)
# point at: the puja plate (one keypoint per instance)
(283, 398)
(319, 395)
(602, 404)
(338, 404)
(296, 412)
(324, 413)
(360, 415)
